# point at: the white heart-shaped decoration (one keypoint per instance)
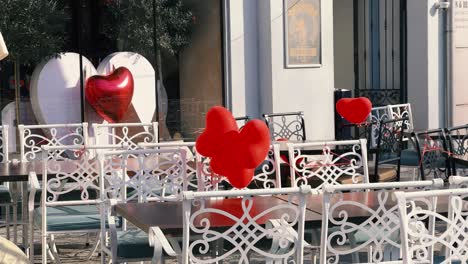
(56, 95)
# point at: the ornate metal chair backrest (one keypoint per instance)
(126, 133)
(376, 117)
(458, 145)
(247, 225)
(379, 221)
(434, 155)
(194, 161)
(144, 175)
(400, 111)
(69, 177)
(390, 144)
(333, 162)
(33, 137)
(201, 177)
(4, 143)
(289, 126)
(241, 121)
(419, 215)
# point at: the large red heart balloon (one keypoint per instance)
(110, 95)
(354, 110)
(241, 177)
(255, 143)
(242, 152)
(218, 121)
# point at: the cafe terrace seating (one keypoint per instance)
(156, 175)
(334, 162)
(376, 233)
(125, 133)
(75, 192)
(247, 230)
(290, 126)
(200, 176)
(5, 195)
(434, 153)
(419, 218)
(71, 202)
(32, 137)
(458, 145)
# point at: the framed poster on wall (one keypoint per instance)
(302, 33)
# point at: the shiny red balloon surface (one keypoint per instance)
(110, 95)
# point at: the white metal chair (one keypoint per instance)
(246, 236)
(289, 126)
(70, 198)
(376, 232)
(409, 156)
(334, 162)
(424, 229)
(5, 194)
(153, 175)
(201, 178)
(126, 133)
(377, 115)
(402, 111)
(32, 137)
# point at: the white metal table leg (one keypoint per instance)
(24, 210)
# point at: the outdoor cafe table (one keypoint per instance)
(168, 215)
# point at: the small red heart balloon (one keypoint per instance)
(218, 121)
(110, 95)
(354, 110)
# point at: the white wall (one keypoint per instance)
(261, 84)
(425, 64)
(243, 58)
(343, 36)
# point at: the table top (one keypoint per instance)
(18, 171)
(369, 199)
(168, 215)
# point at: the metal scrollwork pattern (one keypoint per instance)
(144, 177)
(381, 227)
(378, 115)
(245, 236)
(33, 140)
(453, 237)
(381, 97)
(434, 155)
(459, 147)
(402, 111)
(266, 175)
(390, 141)
(288, 127)
(79, 174)
(328, 167)
(121, 135)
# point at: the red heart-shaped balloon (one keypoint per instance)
(241, 177)
(255, 143)
(218, 122)
(354, 110)
(242, 152)
(110, 95)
